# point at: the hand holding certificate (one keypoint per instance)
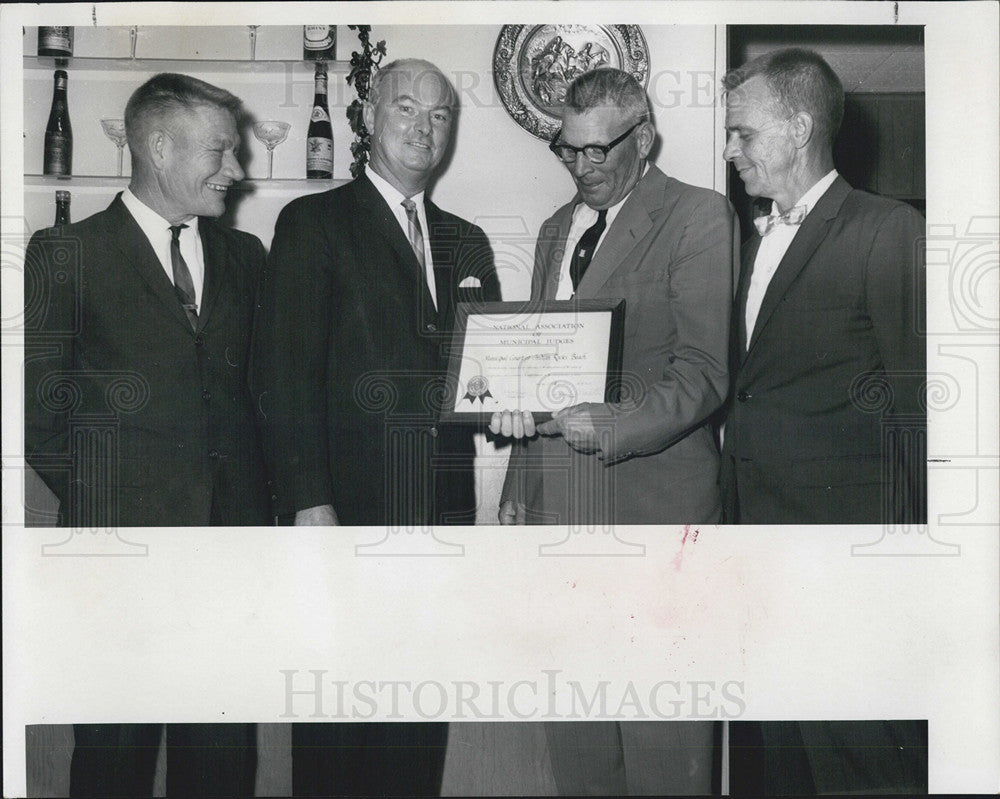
(537, 357)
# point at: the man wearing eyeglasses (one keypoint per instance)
(670, 250)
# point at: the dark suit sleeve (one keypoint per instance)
(895, 297)
(52, 274)
(293, 349)
(694, 382)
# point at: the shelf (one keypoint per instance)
(176, 65)
(113, 181)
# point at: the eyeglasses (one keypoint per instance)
(596, 153)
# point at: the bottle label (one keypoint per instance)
(317, 37)
(319, 154)
(58, 152)
(56, 38)
(319, 114)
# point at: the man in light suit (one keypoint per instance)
(137, 406)
(668, 249)
(826, 423)
(360, 294)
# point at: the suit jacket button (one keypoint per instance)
(206, 395)
(199, 341)
(213, 454)
(431, 327)
(743, 396)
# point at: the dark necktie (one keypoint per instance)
(585, 248)
(183, 284)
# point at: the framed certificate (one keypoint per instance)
(537, 356)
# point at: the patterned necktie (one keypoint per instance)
(183, 284)
(765, 224)
(416, 234)
(585, 248)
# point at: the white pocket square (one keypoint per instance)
(471, 282)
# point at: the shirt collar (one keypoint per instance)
(393, 196)
(153, 225)
(811, 197)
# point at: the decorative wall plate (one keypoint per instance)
(533, 65)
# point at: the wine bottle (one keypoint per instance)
(58, 132)
(56, 41)
(319, 42)
(62, 207)
(319, 137)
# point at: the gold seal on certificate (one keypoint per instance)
(478, 387)
(538, 357)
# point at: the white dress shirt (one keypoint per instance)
(584, 217)
(395, 198)
(773, 247)
(157, 231)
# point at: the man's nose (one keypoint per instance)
(581, 166)
(423, 123)
(731, 150)
(231, 166)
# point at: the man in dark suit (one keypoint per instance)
(137, 406)
(826, 423)
(360, 297)
(670, 250)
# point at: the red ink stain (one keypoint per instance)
(574, 584)
(679, 557)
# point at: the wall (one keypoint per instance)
(498, 175)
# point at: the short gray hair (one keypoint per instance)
(800, 80)
(607, 86)
(168, 92)
(420, 67)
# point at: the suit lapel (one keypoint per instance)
(128, 237)
(740, 322)
(630, 226)
(813, 230)
(445, 262)
(215, 268)
(381, 225)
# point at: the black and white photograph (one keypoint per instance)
(422, 404)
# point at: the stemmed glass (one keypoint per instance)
(270, 133)
(114, 129)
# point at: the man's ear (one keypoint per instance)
(158, 146)
(802, 127)
(645, 135)
(368, 115)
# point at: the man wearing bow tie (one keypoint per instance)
(826, 422)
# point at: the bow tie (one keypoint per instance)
(765, 224)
